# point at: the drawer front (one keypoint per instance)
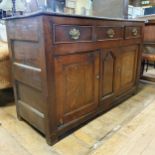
(132, 32)
(72, 34)
(109, 33)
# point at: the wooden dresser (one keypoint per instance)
(69, 69)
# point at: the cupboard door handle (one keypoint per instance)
(134, 32)
(74, 33)
(111, 33)
(97, 77)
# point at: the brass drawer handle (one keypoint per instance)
(134, 32)
(74, 33)
(111, 33)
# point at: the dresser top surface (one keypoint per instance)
(49, 13)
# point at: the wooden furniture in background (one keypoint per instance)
(146, 58)
(69, 69)
(149, 46)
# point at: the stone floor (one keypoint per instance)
(128, 129)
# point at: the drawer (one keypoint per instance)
(132, 32)
(72, 33)
(109, 33)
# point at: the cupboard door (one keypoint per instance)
(126, 69)
(77, 83)
(108, 60)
